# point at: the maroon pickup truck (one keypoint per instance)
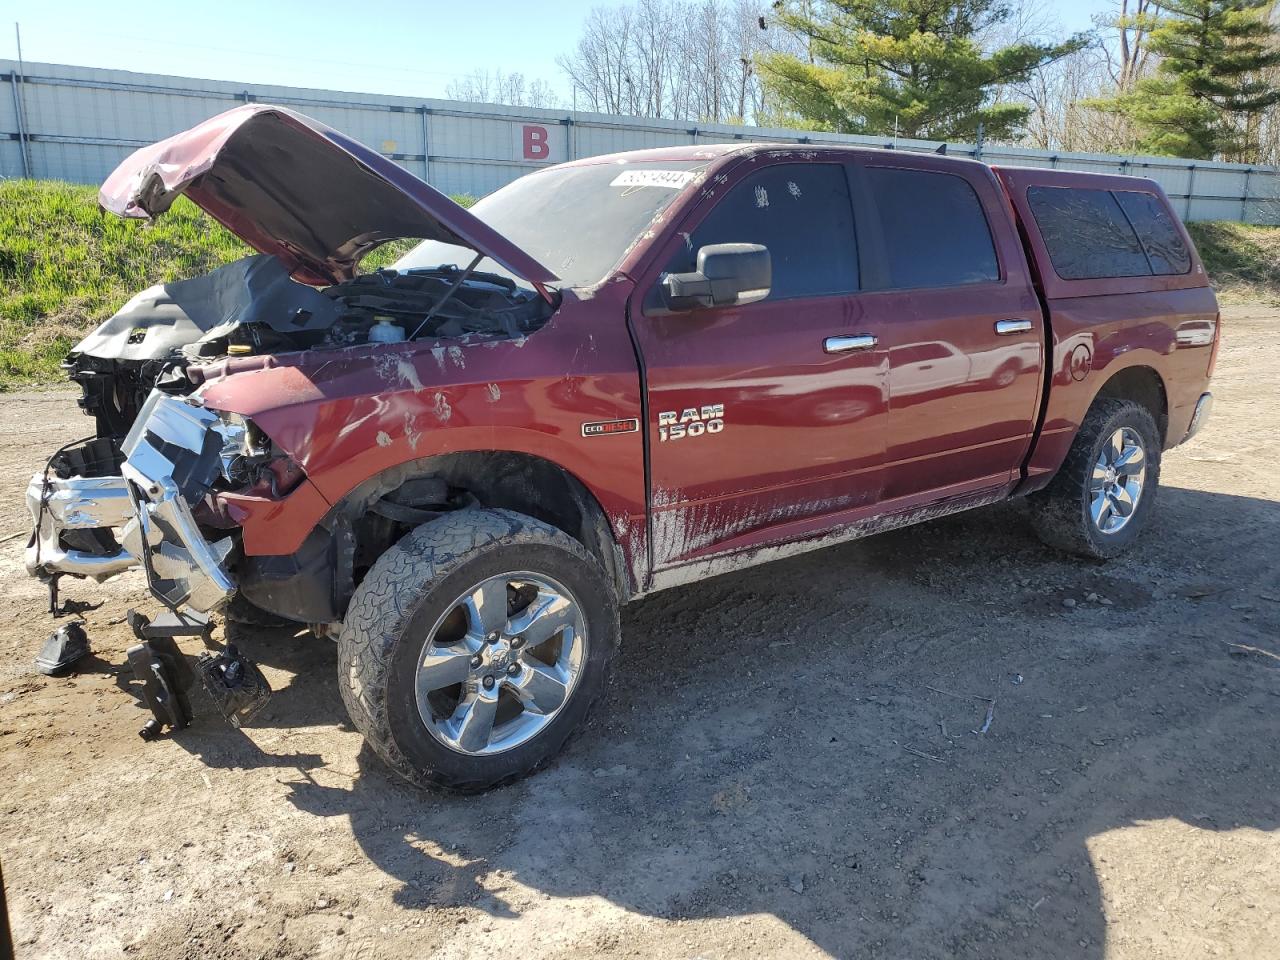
(607, 378)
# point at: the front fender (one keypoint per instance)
(348, 416)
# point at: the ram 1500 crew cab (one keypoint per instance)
(608, 377)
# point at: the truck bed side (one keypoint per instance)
(1148, 336)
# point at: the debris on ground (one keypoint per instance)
(989, 701)
(65, 647)
(926, 756)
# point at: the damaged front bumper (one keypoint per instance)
(172, 455)
(65, 513)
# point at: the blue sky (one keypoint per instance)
(393, 46)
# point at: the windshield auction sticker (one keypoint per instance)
(672, 179)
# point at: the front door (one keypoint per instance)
(767, 416)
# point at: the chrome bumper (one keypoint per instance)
(76, 503)
(171, 457)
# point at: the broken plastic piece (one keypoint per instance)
(159, 664)
(235, 684)
(64, 647)
(170, 624)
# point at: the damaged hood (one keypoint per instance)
(294, 188)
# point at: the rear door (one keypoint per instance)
(760, 422)
(950, 294)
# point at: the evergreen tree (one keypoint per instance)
(1209, 81)
(914, 66)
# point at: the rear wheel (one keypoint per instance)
(475, 647)
(1099, 502)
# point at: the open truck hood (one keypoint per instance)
(294, 188)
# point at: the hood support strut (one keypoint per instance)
(448, 294)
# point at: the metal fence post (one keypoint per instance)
(1191, 190)
(1244, 197)
(426, 143)
(20, 103)
(22, 134)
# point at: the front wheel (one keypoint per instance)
(475, 647)
(1099, 502)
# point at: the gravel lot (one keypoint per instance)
(785, 765)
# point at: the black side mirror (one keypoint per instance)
(728, 274)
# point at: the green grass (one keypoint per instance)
(65, 267)
(1243, 261)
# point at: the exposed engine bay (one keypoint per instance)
(173, 337)
(253, 308)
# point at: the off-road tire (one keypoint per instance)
(409, 588)
(1060, 512)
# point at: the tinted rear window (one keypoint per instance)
(935, 233)
(1158, 234)
(1096, 234)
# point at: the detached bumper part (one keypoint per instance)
(59, 506)
(235, 684)
(171, 458)
(159, 665)
(65, 647)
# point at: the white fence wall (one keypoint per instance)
(77, 123)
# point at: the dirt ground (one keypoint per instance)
(785, 765)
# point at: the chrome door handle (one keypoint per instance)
(1007, 328)
(863, 341)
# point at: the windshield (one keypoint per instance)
(576, 221)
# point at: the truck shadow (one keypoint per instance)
(797, 740)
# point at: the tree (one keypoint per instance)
(1211, 85)
(1113, 59)
(1133, 24)
(916, 67)
(681, 59)
(509, 89)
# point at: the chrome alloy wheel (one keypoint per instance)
(500, 663)
(1115, 486)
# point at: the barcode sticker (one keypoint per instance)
(672, 179)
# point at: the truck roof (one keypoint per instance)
(719, 151)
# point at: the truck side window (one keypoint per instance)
(935, 233)
(802, 213)
(1156, 231)
(1087, 234)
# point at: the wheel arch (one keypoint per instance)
(1143, 385)
(511, 480)
(1069, 402)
